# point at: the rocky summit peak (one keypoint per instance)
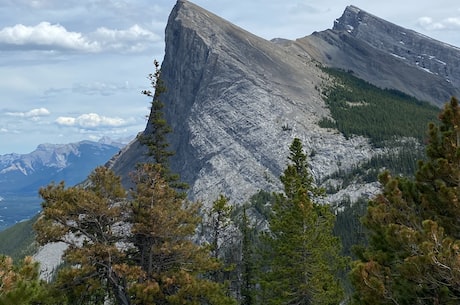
(352, 18)
(387, 55)
(236, 101)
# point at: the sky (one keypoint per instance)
(74, 70)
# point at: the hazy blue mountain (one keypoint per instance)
(21, 175)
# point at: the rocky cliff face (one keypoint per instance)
(386, 55)
(235, 102)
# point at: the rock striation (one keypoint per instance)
(235, 102)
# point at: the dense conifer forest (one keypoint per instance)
(359, 108)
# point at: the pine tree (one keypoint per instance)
(20, 284)
(248, 276)
(163, 224)
(303, 254)
(155, 137)
(90, 220)
(414, 251)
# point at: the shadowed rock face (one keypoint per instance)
(236, 101)
(388, 55)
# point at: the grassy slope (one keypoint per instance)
(18, 240)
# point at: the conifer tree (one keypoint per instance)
(90, 220)
(155, 136)
(135, 249)
(414, 250)
(247, 262)
(303, 254)
(219, 222)
(163, 224)
(20, 284)
(217, 228)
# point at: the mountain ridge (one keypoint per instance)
(235, 102)
(386, 55)
(27, 172)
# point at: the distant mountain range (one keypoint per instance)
(24, 174)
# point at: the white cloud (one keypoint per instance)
(453, 22)
(91, 120)
(34, 113)
(47, 36)
(37, 112)
(65, 121)
(134, 39)
(428, 23)
(99, 88)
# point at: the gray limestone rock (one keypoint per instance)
(235, 102)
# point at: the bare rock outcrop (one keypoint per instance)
(235, 102)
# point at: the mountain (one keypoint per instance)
(21, 175)
(236, 101)
(26, 173)
(386, 55)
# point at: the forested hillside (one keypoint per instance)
(383, 116)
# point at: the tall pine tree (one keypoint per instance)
(303, 257)
(414, 251)
(164, 223)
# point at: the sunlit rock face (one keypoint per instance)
(236, 101)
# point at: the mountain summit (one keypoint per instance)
(387, 55)
(236, 101)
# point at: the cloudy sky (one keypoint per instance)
(73, 70)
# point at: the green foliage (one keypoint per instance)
(163, 224)
(134, 248)
(248, 272)
(400, 161)
(89, 220)
(348, 226)
(219, 221)
(155, 139)
(414, 247)
(359, 108)
(303, 257)
(20, 284)
(18, 240)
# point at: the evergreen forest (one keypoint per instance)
(151, 245)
